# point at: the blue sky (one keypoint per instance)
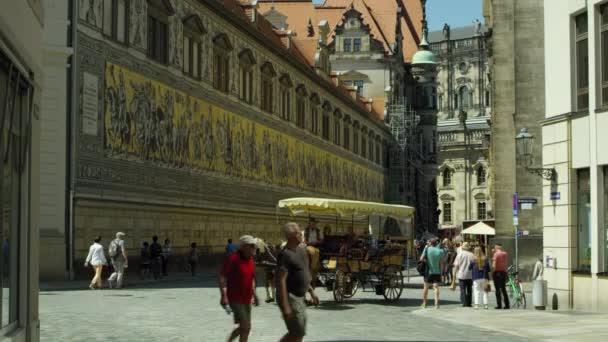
(454, 12)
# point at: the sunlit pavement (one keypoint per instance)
(188, 310)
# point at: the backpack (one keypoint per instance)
(114, 249)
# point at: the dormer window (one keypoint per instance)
(193, 32)
(115, 16)
(357, 45)
(159, 12)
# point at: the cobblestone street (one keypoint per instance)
(189, 311)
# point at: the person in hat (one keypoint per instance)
(237, 286)
(462, 264)
(313, 236)
(120, 262)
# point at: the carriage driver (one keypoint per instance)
(313, 236)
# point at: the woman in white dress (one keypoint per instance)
(97, 259)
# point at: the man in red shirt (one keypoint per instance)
(237, 286)
(499, 265)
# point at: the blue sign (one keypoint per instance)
(555, 195)
(515, 204)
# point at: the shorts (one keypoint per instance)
(432, 279)
(241, 312)
(296, 325)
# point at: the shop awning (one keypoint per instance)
(479, 228)
(345, 208)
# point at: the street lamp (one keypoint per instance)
(524, 143)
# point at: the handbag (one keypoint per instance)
(487, 288)
(421, 268)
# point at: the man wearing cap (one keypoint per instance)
(118, 256)
(237, 286)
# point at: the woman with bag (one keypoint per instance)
(481, 272)
(97, 259)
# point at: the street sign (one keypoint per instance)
(530, 200)
(525, 232)
(555, 195)
(527, 206)
(515, 204)
(515, 221)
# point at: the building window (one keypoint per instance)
(314, 113)
(447, 177)
(584, 220)
(363, 146)
(246, 66)
(285, 94)
(464, 97)
(221, 62)
(325, 126)
(447, 212)
(158, 35)
(15, 129)
(347, 83)
(370, 148)
(440, 102)
(481, 210)
(378, 155)
(357, 45)
(359, 85)
(337, 131)
(115, 16)
(301, 107)
(346, 138)
(347, 45)
(604, 49)
(455, 101)
(193, 30)
(487, 98)
(582, 62)
(356, 140)
(481, 176)
(605, 239)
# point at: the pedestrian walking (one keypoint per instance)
(120, 262)
(293, 281)
(450, 255)
(237, 286)
(144, 261)
(499, 266)
(96, 259)
(433, 256)
(230, 248)
(156, 251)
(166, 255)
(193, 258)
(480, 270)
(464, 275)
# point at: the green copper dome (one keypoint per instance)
(424, 57)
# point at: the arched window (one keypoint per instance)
(314, 113)
(193, 31)
(221, 62)
(301, 95)
(246, 66)
(447, 177)
(481, 176)
(267, 80)
(285, 89)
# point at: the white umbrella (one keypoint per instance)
(480, 228)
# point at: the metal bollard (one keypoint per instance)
(539, 294)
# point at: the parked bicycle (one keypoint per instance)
(515, 288)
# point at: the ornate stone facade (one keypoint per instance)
(162, 152)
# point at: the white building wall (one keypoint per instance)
(571, 141)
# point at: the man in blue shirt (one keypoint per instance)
(231, 248)
(433, 256)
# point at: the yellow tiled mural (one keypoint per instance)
(148, 120)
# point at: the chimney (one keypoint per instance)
(286, 37)
(368, 104)
(251, 9)
(334, 78)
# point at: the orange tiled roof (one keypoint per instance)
(301, 49)
(379, 14)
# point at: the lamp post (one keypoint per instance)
(524, 143)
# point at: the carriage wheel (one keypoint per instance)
(392, 283)
(339, 286)
(351, 285)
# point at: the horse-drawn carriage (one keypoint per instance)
(357, 265)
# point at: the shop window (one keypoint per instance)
(447, 212)
(115, 16)
(582, 62)
(584, 220)
(15, 131)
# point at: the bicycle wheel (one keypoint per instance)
(522, 297)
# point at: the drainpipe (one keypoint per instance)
(72, 107)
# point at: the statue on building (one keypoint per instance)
(91, 16)
(477, 25)
(446, 31)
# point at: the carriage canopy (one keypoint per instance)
(345, 208)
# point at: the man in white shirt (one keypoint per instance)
(464, 274)
(313, 236)
(97, 259)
